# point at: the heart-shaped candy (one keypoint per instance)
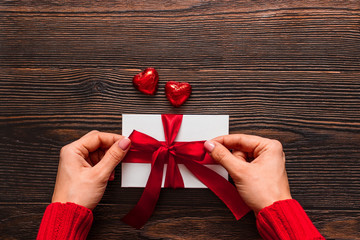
(177, 93)
(147, 81)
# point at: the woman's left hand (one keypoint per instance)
(85, 167)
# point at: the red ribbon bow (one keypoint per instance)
(145, 149)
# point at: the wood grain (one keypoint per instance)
(287, 70)
(285, 39)
(313, 114)
(298, 97)
(170, 223)
(154, 7)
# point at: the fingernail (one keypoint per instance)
(124, 143)
(209, 146)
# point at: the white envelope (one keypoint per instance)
(193, 128)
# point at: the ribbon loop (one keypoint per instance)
(171, 123)
(145, 149)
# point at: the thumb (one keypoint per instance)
(113, 156)
(224, 157)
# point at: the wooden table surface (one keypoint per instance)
(281, 69)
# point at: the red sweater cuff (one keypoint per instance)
(65, 221)
(286, 219)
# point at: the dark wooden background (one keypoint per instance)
(281, 69)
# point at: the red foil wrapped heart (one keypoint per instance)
(177, 93)
(147, 81)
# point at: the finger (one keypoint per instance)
(96, 156)
(113, 156)
(95, 140)
(240, 154)
(224, 157)
(243, 142)
(93, 158)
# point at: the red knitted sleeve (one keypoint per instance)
(65, 221)
(286, 220)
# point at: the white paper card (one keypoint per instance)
(193, 128)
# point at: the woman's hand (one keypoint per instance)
(85, 167)
(257, 166)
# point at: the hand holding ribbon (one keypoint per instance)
(145, 149)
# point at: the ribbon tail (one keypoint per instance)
(143, 210)
(220, 186)
(173, 176)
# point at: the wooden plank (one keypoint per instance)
(271, 39)
(170, 223)
(195, 7)
(316, 115)
(308, 98)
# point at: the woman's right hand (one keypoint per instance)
(257, 166)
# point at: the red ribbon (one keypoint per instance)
(145, 149)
